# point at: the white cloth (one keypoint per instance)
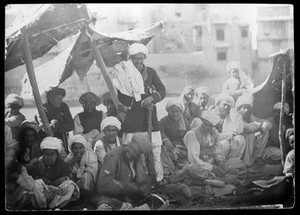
(128, 80)
(211, 116)
(52, 143)
(110, 121)
(136, 48)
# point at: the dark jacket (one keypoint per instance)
(115, 178)
(137, 117)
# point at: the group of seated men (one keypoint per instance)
(99, 162)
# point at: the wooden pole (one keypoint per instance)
(32, 79)
(101, 64)
(281, 133)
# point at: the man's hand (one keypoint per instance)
(74, 160)
(218, 171)
(169, 145)
(121, 108)
(147, 102)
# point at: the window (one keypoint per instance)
(244, 33)
(177, 14)
(221, 56)
(220, 34)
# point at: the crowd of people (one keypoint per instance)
(98, 158)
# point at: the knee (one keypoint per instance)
(240, 139)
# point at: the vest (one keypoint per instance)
(90, 121)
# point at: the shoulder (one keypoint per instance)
(150, 70)
(65, 105)
(163, 120)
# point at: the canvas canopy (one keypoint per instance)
(270, 91)
(47, 25)
(79, 57)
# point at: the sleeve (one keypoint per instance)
(14, 121)
(251, 127)
(91, 163)
(99, 151)
(68, 124)
(162, 128)
(25, 180)
(225, 87)
(78, 129)
(160, 93)
(193, 148)
(107, 182)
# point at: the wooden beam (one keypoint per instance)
(32, 79)
(101, 65)
(281, 133)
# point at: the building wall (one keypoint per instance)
(275, 32)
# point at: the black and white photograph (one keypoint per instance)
(149, 107)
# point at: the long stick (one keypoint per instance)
(281, 133)
(32, 79)
(150, 110)
(106, 77)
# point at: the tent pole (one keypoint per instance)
(106, 77)
(31, 76)
(281, 133)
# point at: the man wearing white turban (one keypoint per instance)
(202, 97)
(110, 127)
(230, 128)
(136, 119)
(173, 127)
(238, 83)
(190, 108)
(256, 131)
(84, 166)
(13, 116)
(202, 143)
(52, 174)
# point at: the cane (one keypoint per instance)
(150, 110)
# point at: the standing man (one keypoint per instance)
(139, 89)
(58, 114)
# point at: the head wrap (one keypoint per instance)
(211, 116)
(227, 98)
(286, 107)
(51, 143)
(289, 132)
(233, 65)
(136, 48)
(201, 90)
(54, 91)
(29, 124)
(90, 97)
(195, 123)
(141, 143)
(176, 102)
(244, 100)
(14, 99)
(76, 139)
(106, 97)
(110, 120)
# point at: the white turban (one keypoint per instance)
(136, 48)
(227, 98)
(201, 90)
(286, 107)
(211, 116)
(110, 121)
(233, 65)
(14, 99)
(51, 143)
(244, 100)
(76, 139)
(175, 101)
